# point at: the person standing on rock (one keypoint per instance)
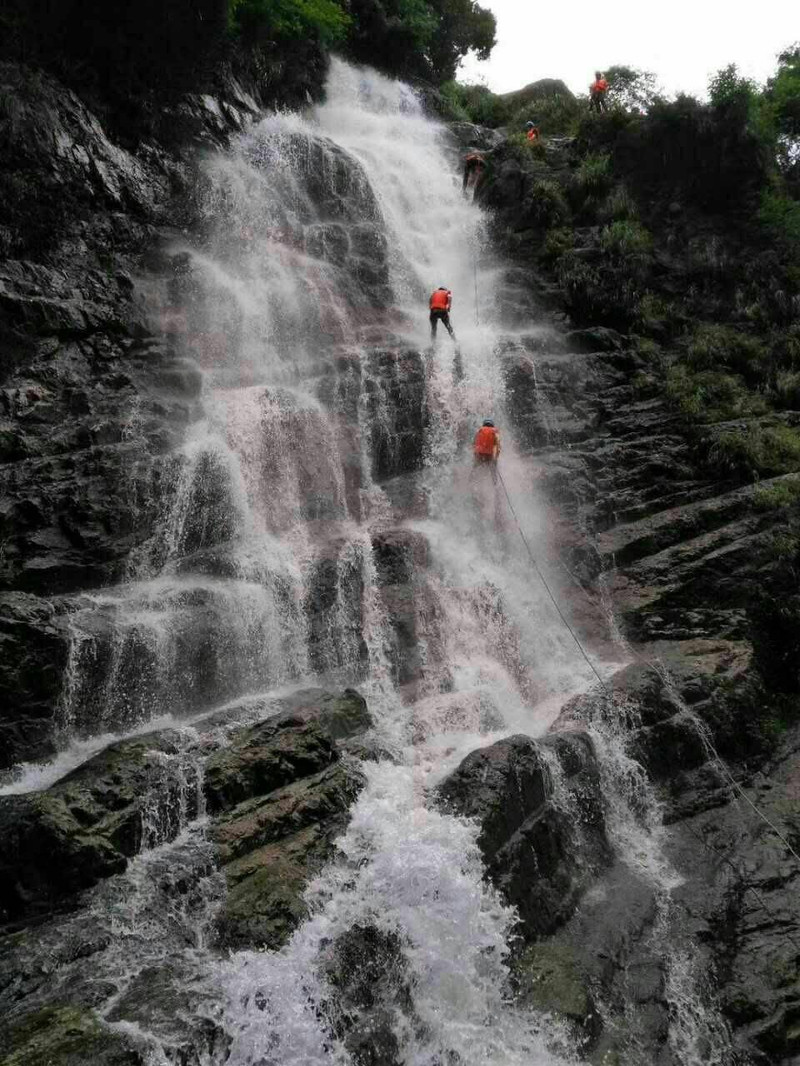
(532, 132)
(440, 303)
(486, 447)
(597, 93)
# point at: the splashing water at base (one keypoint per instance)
(326, 235)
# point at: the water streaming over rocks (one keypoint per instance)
(323, 525)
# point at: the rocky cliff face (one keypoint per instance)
(96, 398)
(685, 556)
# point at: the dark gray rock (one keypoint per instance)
(299, 741)
(368, 971)
(281, 792)
(56, 843)
(65, 1036)
(33, 651)
(543, 840)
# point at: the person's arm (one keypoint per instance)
(496, 446)
(449, 300)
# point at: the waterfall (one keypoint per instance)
(330, 425)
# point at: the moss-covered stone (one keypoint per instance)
(56, 843)
(299, 741)
(548, 979)
(64, 1036)
(282, 794)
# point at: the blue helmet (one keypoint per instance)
(488, 422)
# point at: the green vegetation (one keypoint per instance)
(755, 451)
(778, 496)
(709, 396)
(558, 242)
(179, 42)
(625, 238)
(262, 20)
(594, 176)
(631, 89)
(548, 206)
(474, 103)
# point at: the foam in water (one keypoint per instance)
(325, 235)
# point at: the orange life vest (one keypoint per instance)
(600, 86)
(441, 299)
(486, 440)
(533, 133)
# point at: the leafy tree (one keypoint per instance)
(782, 96)
(393, 35)
(634, 90)
(462, 26)
(783, 91)
(728, 90)
(428, 38)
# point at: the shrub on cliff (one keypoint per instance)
(714, 346)
(625, 238)
(476, 103)
(754, 452)
(547, 205)
(709, 396)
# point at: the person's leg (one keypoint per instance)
(434, 323)
(446, 320)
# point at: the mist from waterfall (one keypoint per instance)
(305, 304)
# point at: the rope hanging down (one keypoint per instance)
(477, 312)
(543, 579)
(705, 734)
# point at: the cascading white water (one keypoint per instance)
(306, 306)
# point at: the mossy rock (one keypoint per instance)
(548, 979)
(64, 1036)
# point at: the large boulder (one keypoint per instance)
(540, 812)
(298, 741)
(54, 844)
(65, 1036)
(281, 793)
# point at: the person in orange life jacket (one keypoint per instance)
(597, 93)
(533, 132)
(486, 447)
(440, 304)
(474, 163)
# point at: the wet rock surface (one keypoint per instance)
(57, 843)
(279, 786)
(92, 397)
(541, 852)
(280, 793)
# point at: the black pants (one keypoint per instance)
(444, 318)
(598, 102)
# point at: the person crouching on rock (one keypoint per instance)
(474, 163)
(486, 448)
(532, 132)
(440, 303)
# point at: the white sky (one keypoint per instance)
(682, 41)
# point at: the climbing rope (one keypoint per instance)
(477, 311)
(702, 728)
(549, 591)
